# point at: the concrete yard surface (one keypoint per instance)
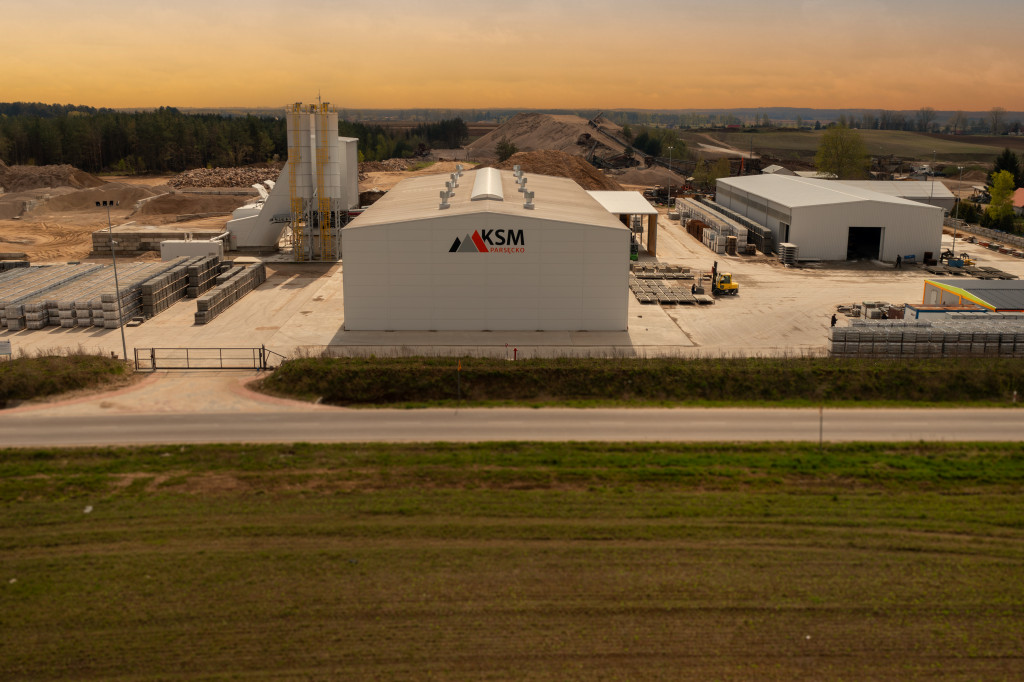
(300, 308)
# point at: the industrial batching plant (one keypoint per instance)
(313, 195)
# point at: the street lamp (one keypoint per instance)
(670, 178)
(959, 189)
(931, 192)
(117, 287)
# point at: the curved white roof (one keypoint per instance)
(487, 185)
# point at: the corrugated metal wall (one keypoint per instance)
(568, 277)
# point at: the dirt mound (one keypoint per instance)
(224, 177)
(21, 178)
(649, 177)
(562, 165)
(125, 195)
(976, 176)
(565, 133)
(185, 204)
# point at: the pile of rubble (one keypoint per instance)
(223, 177)
(387, 166)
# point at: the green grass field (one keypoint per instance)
(792, 143)
(513, 561)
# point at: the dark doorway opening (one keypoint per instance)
(864, 242)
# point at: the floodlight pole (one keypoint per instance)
(670, 178)
(117, 287)
(959, 189)
(931, 191)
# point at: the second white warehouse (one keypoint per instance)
(831, 220)
(487, 250)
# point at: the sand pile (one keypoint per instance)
(224, 177)
(562, 165)
(565, 133)
(185, 204)
(21, 178)
(649, 177)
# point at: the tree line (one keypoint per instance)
(166, 140)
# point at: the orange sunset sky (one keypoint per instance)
(644, 54)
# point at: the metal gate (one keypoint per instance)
(152, 359)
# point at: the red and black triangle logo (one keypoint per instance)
(469, 244)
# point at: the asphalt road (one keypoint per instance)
(553, 424)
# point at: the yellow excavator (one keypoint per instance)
(722, 283)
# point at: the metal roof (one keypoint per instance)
(795, 191)
(623, 203)
(996, 294)
(914, 190)
(557, 199)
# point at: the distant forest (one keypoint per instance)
(167, 140)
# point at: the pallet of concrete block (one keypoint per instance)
(20, 287)
(202, 275)
(6, 265)
(788, 253)
(112, 312)
(221, 297)
(162, 291)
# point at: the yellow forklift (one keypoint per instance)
(722, 283)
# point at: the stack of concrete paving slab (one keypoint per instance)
(1002, 337)
(77, 295)
(239, 282)
(788, 253)
(161, 292)
(202, 276)
(20, 286)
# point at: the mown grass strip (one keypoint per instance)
(596, 381)
(62, 473)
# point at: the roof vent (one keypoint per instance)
(455, 180)
(522, 184)
(444, 199)
(458, 169)
(529, 200)
(487, 185)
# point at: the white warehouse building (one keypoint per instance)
(830, 220)
(497, 253)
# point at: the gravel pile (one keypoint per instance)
(223, 177)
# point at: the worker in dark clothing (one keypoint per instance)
(834, 319)
(899, 262)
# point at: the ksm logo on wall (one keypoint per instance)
(490, 241)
